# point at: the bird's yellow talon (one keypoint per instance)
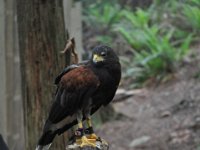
(86, 142)
(92, 136)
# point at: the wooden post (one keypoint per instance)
(73, 23)
(3, 108)
(41, 38)
(9, 47)
(103, 147)
(11, 124)
(99, 146)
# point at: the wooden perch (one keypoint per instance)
(100, 146)
(89, 148)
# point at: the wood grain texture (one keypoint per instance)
(41, 38)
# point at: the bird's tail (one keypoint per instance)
(45, 141)
(40, 147)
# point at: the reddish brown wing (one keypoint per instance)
(75, 87)
(78, 78)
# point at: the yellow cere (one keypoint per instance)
(97, 58)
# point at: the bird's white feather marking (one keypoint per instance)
(45, 147)
(62, 123)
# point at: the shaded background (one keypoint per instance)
(158, 102)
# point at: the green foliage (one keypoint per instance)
(155, 53)
(159, 36)
(179, 14)
(139, 18)
(131, 28)
(104, 39)
(192, 14)
(102, 16)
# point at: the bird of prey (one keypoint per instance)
(82, 89)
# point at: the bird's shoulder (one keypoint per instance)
(68, 69)
(81, 76)
(64, 71)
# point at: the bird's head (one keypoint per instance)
(103, 55)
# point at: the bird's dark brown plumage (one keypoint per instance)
(79, 78)
(90, 84)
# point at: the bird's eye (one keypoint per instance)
(103, 53)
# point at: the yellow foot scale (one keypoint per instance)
(87, 142)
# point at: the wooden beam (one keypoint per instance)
(11, 126)
(3, 110)
(9, 24)
(73, 22)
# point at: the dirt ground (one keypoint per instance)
(165, 117)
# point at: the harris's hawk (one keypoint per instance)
(82, 90)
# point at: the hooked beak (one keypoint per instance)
(97, 58)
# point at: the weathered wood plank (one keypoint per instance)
(100, 145)
(14, 115)
(73, 22)
(76, 27)
(42, 37)
(3, 110)
(9, 26)
(17, 126)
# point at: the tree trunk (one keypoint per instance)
(41, 38)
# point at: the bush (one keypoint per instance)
(102, 16)
(192, 14)
(156, 52)
(159, 36)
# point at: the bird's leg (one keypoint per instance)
(90, 132)
(91, 135)
(83, 139)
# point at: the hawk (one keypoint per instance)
(82, 89)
